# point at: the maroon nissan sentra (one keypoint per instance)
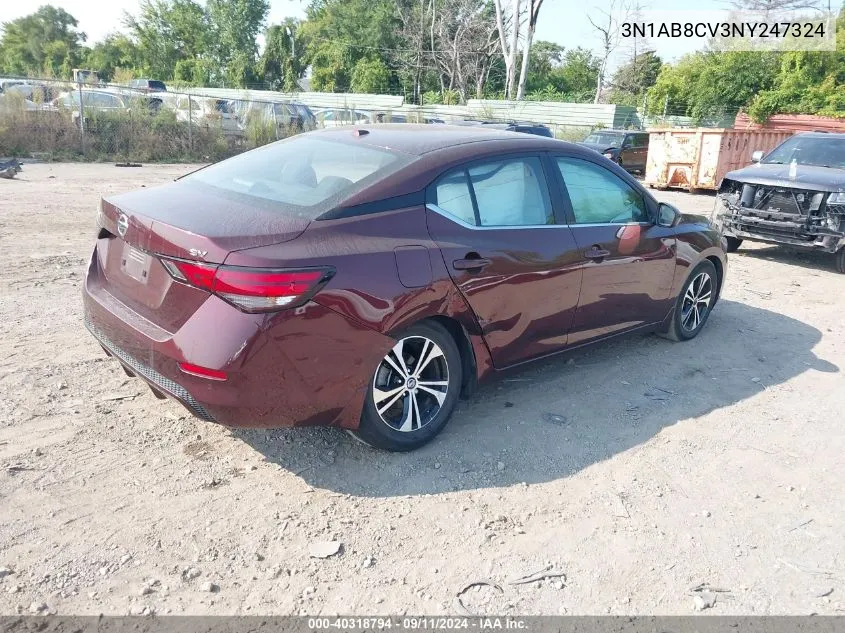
(368, 277)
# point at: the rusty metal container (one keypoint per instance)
(698, 158)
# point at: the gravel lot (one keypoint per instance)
(639, 469)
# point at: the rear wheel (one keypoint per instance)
(733, 243)
(695, 301)
(840, 260)
(413, 391)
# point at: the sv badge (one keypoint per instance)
(195, 252)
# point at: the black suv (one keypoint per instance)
(625, 148)
(512, 126)
(794, 195)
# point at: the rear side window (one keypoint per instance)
(454, 197)
(307, 176)
(502, 193)
(599, 196)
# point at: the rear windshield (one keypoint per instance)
(157, 85)
(828, 151)
(306, 175)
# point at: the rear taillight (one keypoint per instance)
(251, 289)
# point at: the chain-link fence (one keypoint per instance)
(62, 121)
(65, 121)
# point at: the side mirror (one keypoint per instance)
(667, 215)
(757, 156)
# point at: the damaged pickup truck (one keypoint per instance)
(794, 195)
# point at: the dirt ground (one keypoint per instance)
(639, 469)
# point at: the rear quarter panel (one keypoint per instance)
(366, 252)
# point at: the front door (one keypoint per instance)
(628, 261)
(517, 268)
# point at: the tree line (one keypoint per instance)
(430, 51)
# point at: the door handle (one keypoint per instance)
(471, 263)
(596, 252)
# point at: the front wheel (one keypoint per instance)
(733, 243)
(695, 301)
(413, 391)
(840, 260)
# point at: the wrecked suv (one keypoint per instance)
(794, 195)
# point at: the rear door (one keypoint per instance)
(515, 264)
(638, 151)
(628, 261)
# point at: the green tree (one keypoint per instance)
(634, 78)
(545, 57)
(46, 41)
(280, 66)
(167, 32)
(709, 84)
(236, 24)
(370, 76)
(339, 33)
(115, 52)
(808, 82)
(577, 74)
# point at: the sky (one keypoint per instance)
(564, 22)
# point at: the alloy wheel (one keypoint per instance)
(696, 302)
(411, 383)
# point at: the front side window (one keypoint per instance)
(599, 196)
(503, 193)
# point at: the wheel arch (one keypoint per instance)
(469, 363)
(720, 273)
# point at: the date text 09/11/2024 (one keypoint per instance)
(417, 623)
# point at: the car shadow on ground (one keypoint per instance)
(561, 415)
(812, 260)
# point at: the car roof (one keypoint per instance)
(822, 134)
(419, 139)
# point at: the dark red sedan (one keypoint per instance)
(366, 278)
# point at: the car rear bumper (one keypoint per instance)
(300, 367)
(157, 382)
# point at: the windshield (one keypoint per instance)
(307, 175)
(604, 138)
(826, 151)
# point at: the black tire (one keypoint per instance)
(733, 243)
(430, 416)
(840, 260)
(684, 325)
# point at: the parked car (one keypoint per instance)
(100, 100)
(390, 117)
(9, 102)
(82, 76)
(334, 117)
(148, 85)
(34, 92)
(105, 100)
(367, 278)
(625, 148)
(309, 121)
(794, 195)
(511, 126)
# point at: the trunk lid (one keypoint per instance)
(192, 221)
(182, 221)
